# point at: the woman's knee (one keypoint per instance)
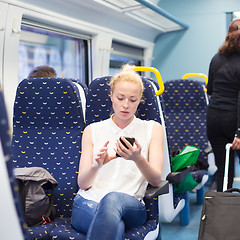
(111, 201)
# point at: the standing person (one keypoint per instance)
(112, 188)
(223, 119)
(42, 71)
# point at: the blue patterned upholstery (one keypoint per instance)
(5, 142)
(4, 127)
(63, 230)
(99, 108)
(185, 109)
(99, 105)
(47, 129)
(180, 202)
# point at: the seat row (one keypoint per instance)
(50, 115)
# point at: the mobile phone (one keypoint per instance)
(131, 140)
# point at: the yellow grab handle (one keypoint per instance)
(157, 74)
(196, 75)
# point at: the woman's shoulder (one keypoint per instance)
(149, 122)
(100, 123)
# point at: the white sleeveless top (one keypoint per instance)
(119, 175)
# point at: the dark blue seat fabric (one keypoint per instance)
(4, 127)
(185, 109)
(47, 129)
(99, 105)
(98, 108)
(63, 230)
(180, 202)
(5, 141)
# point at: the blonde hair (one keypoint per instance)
(127, 74)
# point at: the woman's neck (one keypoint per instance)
(122, 123)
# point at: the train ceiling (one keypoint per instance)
(138, 18)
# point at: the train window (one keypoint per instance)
(68, 55)
(121, 54)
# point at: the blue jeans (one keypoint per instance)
(108, 219)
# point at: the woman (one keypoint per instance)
(112, 188)
(223, 121)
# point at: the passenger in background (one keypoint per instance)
(223, 113)
(110, 198)
(42, 71)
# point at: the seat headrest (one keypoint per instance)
(99, 105)
(47, 102)
(184, 96)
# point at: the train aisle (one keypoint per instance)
(175, 231)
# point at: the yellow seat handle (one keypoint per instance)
(157, 74)
(196, 75)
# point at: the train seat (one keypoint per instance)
(82, 93)
(13, 224)
(99, 107)
(180, 201)
(47, 128)
(185, 110)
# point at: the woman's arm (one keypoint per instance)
(87, 167)
(151, 169)
(210, 80)
(87, 170)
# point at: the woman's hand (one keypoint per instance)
(130, 153)
(103, 157)
(236, 144)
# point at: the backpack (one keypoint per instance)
(36, 193)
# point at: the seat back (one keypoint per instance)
(47, 128)
(12, 225)
(99, 107)
(169, 204)
(185, 109)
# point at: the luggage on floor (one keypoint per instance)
(221, 211)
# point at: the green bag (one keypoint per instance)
(188, 156)
(188, 184)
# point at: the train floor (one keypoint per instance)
(173, 230)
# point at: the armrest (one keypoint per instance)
(162, 188)
(178, 177)
(208, 149)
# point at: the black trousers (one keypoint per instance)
(221, 127)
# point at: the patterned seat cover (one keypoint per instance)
(99, 108)
(47, 129)
(185, 109)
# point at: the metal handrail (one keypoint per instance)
(196, 75)
(157, 74)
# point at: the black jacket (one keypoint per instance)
(224, 84)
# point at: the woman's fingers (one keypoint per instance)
(236, 143)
